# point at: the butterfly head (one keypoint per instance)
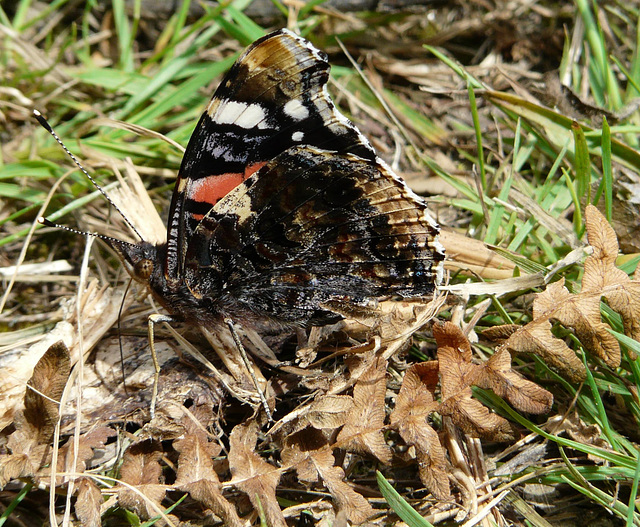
(139, 259)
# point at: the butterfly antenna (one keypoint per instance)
(43, 122)
(47, 223)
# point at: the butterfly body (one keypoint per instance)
(282, 206)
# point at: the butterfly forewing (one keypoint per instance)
(309, 227)
(274, 97)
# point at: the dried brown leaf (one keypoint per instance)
(252, 474)
(30, 443)
(355, 506)
(298, 453)
(141, 469)
(28, 453)
(195, 459)
(87, 443)
(475, 419)
(414, 405)
(363, 431)
(536, 338)
(500, 333)
(474, 257)
(312, 457)
(388, 325)
(208, 493)
(587, 434)
(197, 476)
(13, 466)
(622, 294)
(44, 390)
(457, 375)
(524, 395)
(88, 503)
(581, 311)
(329, 411)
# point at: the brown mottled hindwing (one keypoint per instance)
(312, 226)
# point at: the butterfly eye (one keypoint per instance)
(143, 269)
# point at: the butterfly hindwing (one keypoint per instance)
(327, 226)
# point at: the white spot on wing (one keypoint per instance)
(297, 136)
(241, 114)
(296, 110)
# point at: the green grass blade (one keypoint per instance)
(11, 191)
(602, 413)
(603, 81)
(631, 516)
(478, 130)
(607, 170)
(20, 14)
(459, 70)
(19, 497)
(622, 461)
(180, 19)
(153, 85)
(124, 33)
(582, 165)
(39, 15)
(557, 128)
(244, 29)
(54, 216)
(593, 493)
(400, 506)
(184, 91)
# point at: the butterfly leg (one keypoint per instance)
(245, 359)
(153, 320)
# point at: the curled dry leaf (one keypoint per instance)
(536, 337)
(30, 443)
(363, 430)
(309, 452)
(329, 411)
(581, 311)
(392, 322)
(44, 390)
(523, 395)
(87, 444)
(13, 466)
(253, 475)
(414, 405)
(458, 374)
(473, 257)
(584, 433)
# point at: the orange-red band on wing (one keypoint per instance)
(213, 188)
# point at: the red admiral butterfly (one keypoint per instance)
(282, 206)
